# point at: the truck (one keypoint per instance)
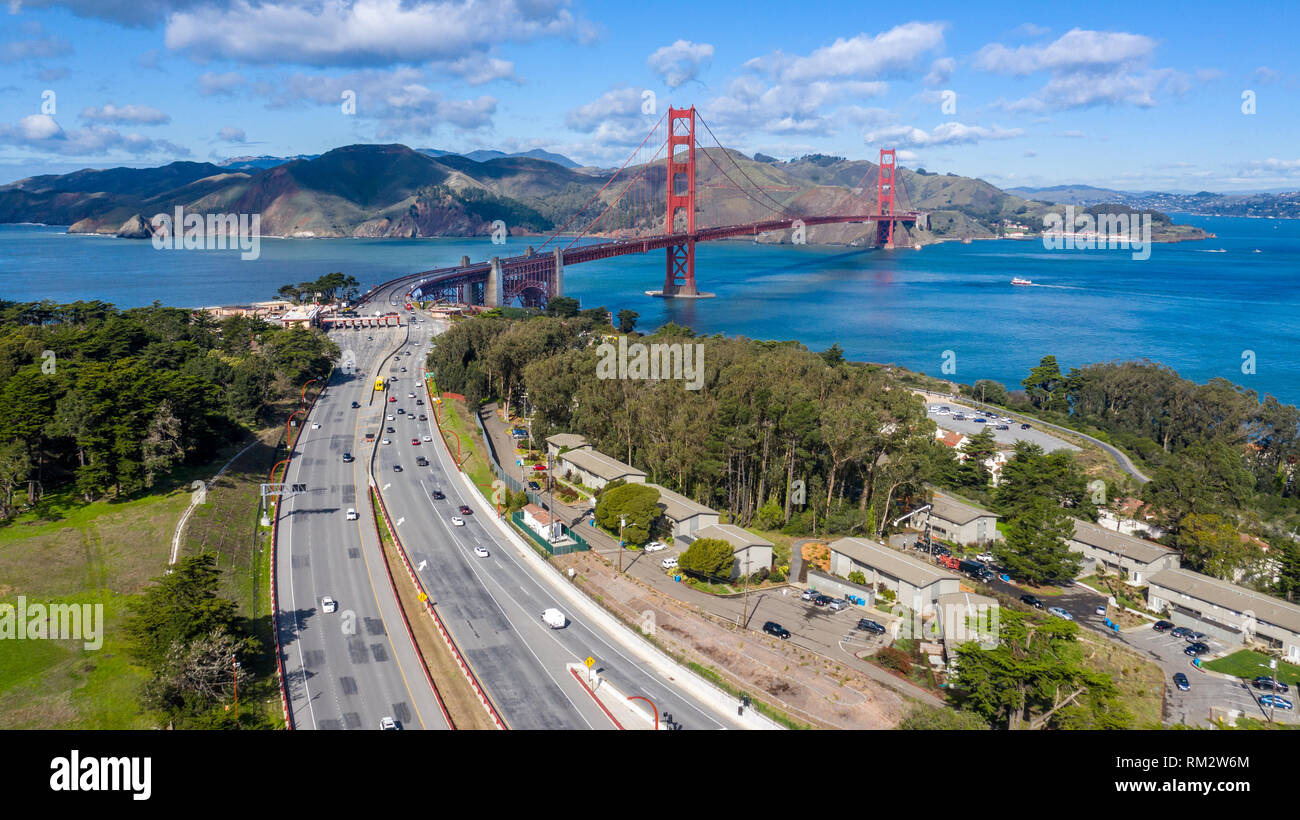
(972, 567)
(554, 618)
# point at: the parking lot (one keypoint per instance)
(813, 627)
(1193, 707)
(968, 427)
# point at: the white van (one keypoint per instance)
(554, 618)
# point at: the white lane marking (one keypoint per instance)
(422, 565)
(293, 599)
(385, 487)
(399, 521)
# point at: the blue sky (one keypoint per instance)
(1129, 95)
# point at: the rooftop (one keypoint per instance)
(570, 440)
(890, 561)
(1139, 549)
(1266, 608)
(677, 506)
(542, 517)
(958, 512)
(599, 464)
(739, 539)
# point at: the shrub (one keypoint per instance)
(857, 577)
(776, 576)
(896, 659)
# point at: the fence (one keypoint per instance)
(578, 545)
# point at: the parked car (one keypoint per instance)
(328, 604)
(809, 594)
(1032, 601)
(1161, 626)
(1266, 682)
(1276, 701)
(868, 625)
(986, 557)
(1001, 427)
(980, 421)
(668, 563)
(655, 546)
(774, 628)
(1024, 427)
(534, 486)
(837, 604)
(1196, 637)
(940, 549)
(1180, 680)
(1197, 649)
(822, 600)
(1180, 632)
(1060, 613)
(1101, 609)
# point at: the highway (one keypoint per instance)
(492, 605)
(350, 668)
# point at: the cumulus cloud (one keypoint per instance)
(361, 32)
(1087, 68)
(940, 71)
(41, 132)
(866, 57)
(231, 134)
(948, 133)
(1029, 30)
(125, 115)
(38, 45)
(680, 62)
(613, 118)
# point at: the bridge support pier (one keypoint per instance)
(558, 284)
(495, 287)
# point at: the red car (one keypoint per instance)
(539, 467)
(392, 398)
(415, 441)
(465, 510)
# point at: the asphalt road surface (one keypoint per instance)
(1049, 443)
(492, 605)
(350, 668)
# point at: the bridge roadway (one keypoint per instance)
(350, 668)
(439, 280)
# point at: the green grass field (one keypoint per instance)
(1247, 663)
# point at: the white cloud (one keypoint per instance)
(223, 85)
(1265, 75)
(362, 32)
(40, 132)
(865, 57)
(1076, 50)
(948, 133)
(125, 115)
(38, 46)
(1029, 30)
(680, 62)
(940, 71)
(231, 134)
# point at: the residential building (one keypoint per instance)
(594, 469)
(916, 584)
(685, 517)
(543, 523)
(1103, 550)
(1226, 611)
(753, 554)
(959, 522)
(565, 441)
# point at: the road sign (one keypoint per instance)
(590, 661)
(423, 597)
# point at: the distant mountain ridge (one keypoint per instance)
(260, 163)
(1276, 205)
(371, 190)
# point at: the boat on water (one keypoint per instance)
(1018, 281)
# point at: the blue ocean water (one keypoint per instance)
(1187, 306)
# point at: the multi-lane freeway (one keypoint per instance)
(350, 668)
(490, 604)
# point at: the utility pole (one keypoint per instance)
(234, 668)
(622, 522)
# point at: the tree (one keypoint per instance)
(180, 606)
(1212, 545)
(1032, 474)
(979, 448)
(161, 446)
(1035, 545)
(1035, 678)
(1045, 385)
(638, 504)
(711, 557)
(562, 306)
(199, 674)
(627, 320)
(15, 467)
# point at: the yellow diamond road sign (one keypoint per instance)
(423, 597)
(590, 662)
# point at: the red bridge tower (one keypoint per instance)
(680, 277)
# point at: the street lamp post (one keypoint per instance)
(622, 522)
(1272, 700)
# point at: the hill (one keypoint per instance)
(394, 191)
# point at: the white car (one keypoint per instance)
(315, 425)
(328, 604)
(655, 546)
(391, 417)
(481, 552)
(410, 395)
(986, 557)
(668, 563)
(387, 724)
(352, 514)
(457, 521)
(386, 441)
(428, 437)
